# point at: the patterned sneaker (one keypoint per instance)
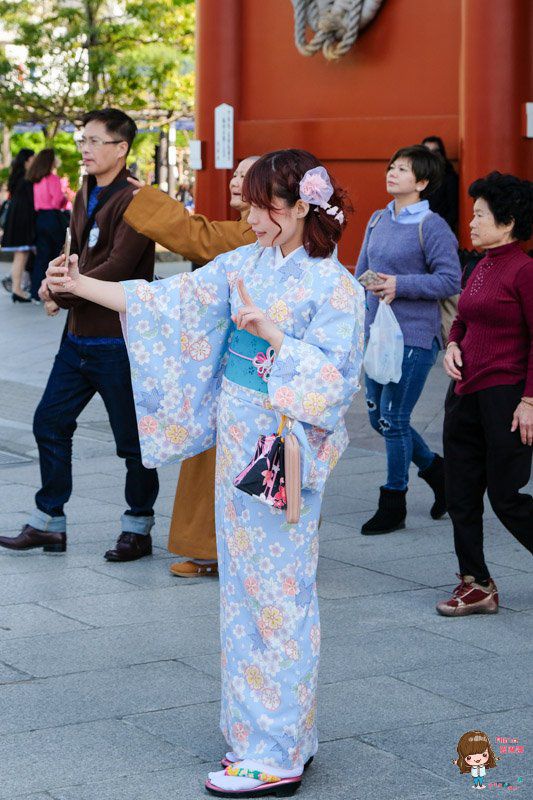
(470, 598)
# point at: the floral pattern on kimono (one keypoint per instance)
(178, 332)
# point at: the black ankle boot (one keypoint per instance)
(390, 515)
(434, 477)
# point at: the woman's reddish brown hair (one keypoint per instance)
(278, 175)
(42, 165)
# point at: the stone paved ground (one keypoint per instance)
(109, 675)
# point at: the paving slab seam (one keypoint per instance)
(131, 720)
(127, 718)
(88, 626)
(407, 726)
(434, 693)
(15, 669)
(191, 614)
(381, 628)
(102, 592)
(326, 518)
(413, 588)
(98, 571)
(70, 786)
(497, 564)
(165, 660)
(486, 657)
(201, 671)
(126, 665)
(396, 756)
(106, 628)
(378, 673)
(388, 561)
(434, 617)
(93, 720)
(67, 567)
(473, 646)
(520, 706)
(401, 758)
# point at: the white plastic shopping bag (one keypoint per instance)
(384, 350)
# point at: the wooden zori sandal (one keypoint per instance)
(270, 784)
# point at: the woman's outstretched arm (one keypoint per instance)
(62, 278)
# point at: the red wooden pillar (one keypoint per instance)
(495, 80)
(217, 81)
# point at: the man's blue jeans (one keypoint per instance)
(79, 372)
(390, 406)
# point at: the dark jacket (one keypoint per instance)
(118, 254)
(445, 199)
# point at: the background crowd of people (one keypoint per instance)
(35, 217)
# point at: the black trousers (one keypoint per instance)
(481, 454)
(50, 227)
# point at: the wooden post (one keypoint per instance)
(217, 80)
(494, 82)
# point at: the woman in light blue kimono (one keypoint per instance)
(220, 354)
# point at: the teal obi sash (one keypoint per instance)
(250, 361)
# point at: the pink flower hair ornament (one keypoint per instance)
(316, 189)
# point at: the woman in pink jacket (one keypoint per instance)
(51, 223)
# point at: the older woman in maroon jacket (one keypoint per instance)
(488, 426)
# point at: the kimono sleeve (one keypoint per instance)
(314, 379)
(176, 331)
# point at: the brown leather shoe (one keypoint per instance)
(189, 569)
(30, 537)
(130, 547)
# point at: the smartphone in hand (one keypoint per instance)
(66, 250)
(368, 278)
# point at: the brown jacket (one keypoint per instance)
(168, 222)
(119, 254)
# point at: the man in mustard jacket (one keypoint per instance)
(166, 221)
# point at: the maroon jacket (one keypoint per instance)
(118, 254)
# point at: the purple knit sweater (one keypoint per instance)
(422, 276)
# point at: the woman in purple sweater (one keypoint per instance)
(488, 426)
(414, 253)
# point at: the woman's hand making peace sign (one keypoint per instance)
(249, 317)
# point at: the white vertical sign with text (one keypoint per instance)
(224, 136)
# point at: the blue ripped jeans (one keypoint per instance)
(390, 407)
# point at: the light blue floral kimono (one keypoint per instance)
(178, 333)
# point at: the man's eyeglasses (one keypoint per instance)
(94, 142)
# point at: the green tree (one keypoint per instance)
(137, 55)
(63, 144)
